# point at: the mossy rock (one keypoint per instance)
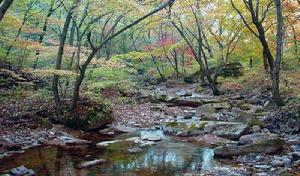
(199, 89)
(93, 118)
(255, 121)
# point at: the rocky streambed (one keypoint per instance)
(172, 130)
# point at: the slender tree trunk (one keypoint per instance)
(279, 44)
(59, 57)
(5, 4)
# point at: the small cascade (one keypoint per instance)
(207, 159)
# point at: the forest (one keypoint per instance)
(150, 87)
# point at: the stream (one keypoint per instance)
(169, 156)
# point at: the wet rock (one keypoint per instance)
(189, 115)
(21, 171)
(140, 142)
(88, 164)
(185, 102)
(150, 136)
(135, 150)
(107, 131)
(184, 93)
(75, 141)
(229, 130)
(107, 143)
(254, 143)
(124, 129)
(210, 140)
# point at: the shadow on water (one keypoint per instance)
(168, 157)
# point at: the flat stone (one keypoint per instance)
(210, 139)
(88, 164)
(124, 129)
(107, 143)
(150, 136)
(135, 150)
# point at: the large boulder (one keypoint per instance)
(90, 116)
(227, 70)
(253, 143)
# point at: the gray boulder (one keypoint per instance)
(253, 143)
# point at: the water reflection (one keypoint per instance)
(168, 157)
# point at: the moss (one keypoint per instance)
(203, 125)
(172, 124)
(199, 89)
(192, 127)
(255, 121)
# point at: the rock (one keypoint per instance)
(281, 161)
(107, 143)
(169, 112)
(245, 107)
(66, 140)
(210, 140)
(259, 138)
(150, 136)
(229, 130)
(199, 89)
(256, 129)
(189, 115)
(184, 93)
(88, 164)
(96, 116)
(257, 109)
(21, 171)
(140, 142)
(253, 143)
(186, 102)
(296, 155)
(205, 110)
(107, 131)
(135, 150)
(124, 129)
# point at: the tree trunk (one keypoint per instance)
(279, 44)
(5, 4)
(59, 57)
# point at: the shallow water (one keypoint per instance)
(168, 157)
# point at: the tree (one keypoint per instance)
(5, 4)
(279, 44)
(95, 50)
(196, 40)
(260, 32)
(59, 58)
